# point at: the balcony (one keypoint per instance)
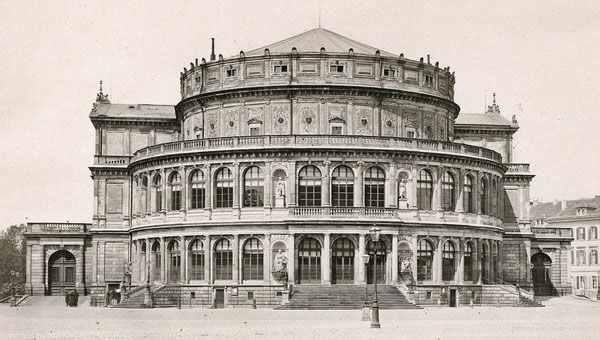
(121, 161)
(517, 168)
(314, 141)
(552, 233)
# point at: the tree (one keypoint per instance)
(12, 259)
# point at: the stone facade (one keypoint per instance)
(272, 169)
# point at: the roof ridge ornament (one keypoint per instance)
(494, 108)
(101, 97)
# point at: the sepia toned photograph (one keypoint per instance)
(316, 169)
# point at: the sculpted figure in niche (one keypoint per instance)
(280, 193)
(280, 262)
(402, 189)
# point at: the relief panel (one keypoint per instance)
(212, 124)
(281, 119)
(389, 123)
(309, 122)
(364, 120)
(231, 121)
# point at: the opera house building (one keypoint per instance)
(273, 169)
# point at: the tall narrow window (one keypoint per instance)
(593, 233)
(448, 190)
(448, 261)
(469, 256)
(483, 196)
(253, 266)
(581, 233)
(157, 186)
(309, 187)
(156, 261)
(224, 188)
(175, 184)
(144, 196)
(468, 195)
(197, 260)
(593, 257)
(142, 263)
(424, 261)
(197, 190)
(485, 257)
(424, 190)
(374, 187)
(174, 261)
(342, 187)
(494, 194)
(254, 192)
(223, 260)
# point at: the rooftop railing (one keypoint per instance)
(549, 232)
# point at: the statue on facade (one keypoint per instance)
(280, 266)
(402, 189)
(127, 275)
(280, 193)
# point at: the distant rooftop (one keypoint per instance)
(491, 117)
(148, 111)
(313, 40)
(566, 209)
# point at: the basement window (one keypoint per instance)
(250, 295)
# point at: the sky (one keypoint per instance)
(541, 58)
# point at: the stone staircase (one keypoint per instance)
(338, 297)
(136, 298)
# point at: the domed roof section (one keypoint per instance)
(313, 40)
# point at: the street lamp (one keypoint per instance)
(13, 300)
(365, 307)
(375, 239)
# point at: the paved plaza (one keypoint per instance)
(562, 318)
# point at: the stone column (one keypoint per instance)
(290, 198)
(478, 262)
(208, 259)
(361, 263)
(292, 259)
(208, 202)
(326, 259)
(163, 203)
(163, 260)
(79, 270)
(184, 195)
(268, 190)
(461, 261)
(436, 203)
(267, 259)
(326, 183)
(237, 193)
(394, 259)
(437, 261)
(460, 206)
(414, 244)
(147, 263)
(359, 185)
(500, 269)
(183, 252)
(236, 258)
(412, 188)
(392, 190)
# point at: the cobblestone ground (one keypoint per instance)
(562, 318)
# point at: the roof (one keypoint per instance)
(554, 210)
(313, 40)
(144, 111)
(481, 119)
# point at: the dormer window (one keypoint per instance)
(388, 72)
(582, 211)
(336, 68)
(429, 79)
(232, 72)
(280, 69)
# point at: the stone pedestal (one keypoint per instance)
(279, 202)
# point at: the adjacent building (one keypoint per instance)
(273, 167)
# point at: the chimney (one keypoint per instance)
(563, 205)
(212, 51)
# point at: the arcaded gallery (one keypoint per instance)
(267, 180)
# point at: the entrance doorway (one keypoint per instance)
(61, 268)
(452, 298)
(220, 298)
(381, 262)
(540, 274)
(342, 271)
(309, 261)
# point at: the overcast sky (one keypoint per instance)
(542, 58)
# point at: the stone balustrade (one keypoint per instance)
(517, 168)
(314, 141)
(549, 232)
(112, 160)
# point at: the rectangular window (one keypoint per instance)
(224, 197)
(232, 72)
(250, 296)
(429, 80)
(280, 69)
(254, 131)
(410, 134)
(388, 72)
(336, 68)
(197, 265)
(198, 195)
(336, 130)
(428, 296)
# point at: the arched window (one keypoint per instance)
(380, 263)
(309, 261)
(593, 233)
(156, 261)
(424, 261)
(142, 263)
(468, 195)
(309, 187)
(144, 196)
(469, 256)
(342, 187)
(374, 187)
(253, 266)
(593, 257)
(175, 184)
(197, 260)
(483, 196)
(254, 183)
(223, 260)
(581, 233)
(448, 192)
(424, 190)
(174, 261)
(342, 258)
(448, 261)
(157, 187)
(224, 188)
(197, 190)
(494, 209)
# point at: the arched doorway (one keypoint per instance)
(309, 261)
(540, 274)
(342, 270)
(61, 276)
(381, 262)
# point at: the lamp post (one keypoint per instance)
(365, 307)
(13, 300)
(375, 238)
